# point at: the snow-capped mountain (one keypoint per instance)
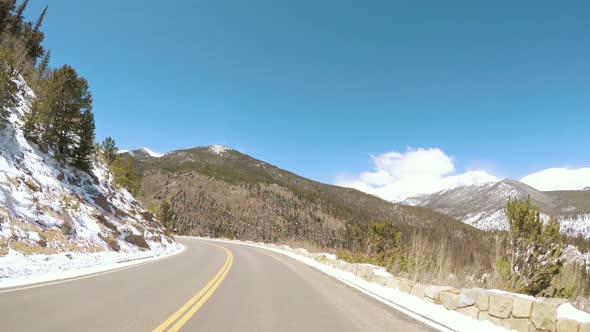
(48, 208)
(483, 205)
(559, 179)
(421, 185)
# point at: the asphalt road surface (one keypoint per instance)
(208, 287)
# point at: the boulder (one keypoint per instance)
(567, 325)
(501, 305)
(522, 307)
(544, 315)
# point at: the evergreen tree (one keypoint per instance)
(165, 215)
(40, 19)
(84, 151)
(43, 66)
(534, 249)
(21, 9)
(61, 113)
(109, 150)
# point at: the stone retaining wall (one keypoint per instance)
(512, 311)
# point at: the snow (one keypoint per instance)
(430, 314)
(559, 179)
(50, 210)
(567, 311)
(152, 153)
(218, 149)
(17, 269)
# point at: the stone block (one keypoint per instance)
(522, 307)
(392, 282)
(418, 290)
(544, 315)
(470, 311)
(405, 285)
(567, 325)
(519, 324)
(450, 299)
(433, 291)
(364, 271)
(468, 297)
(501, 305)
(482, 300)
(585, 327)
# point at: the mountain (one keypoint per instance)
(47, 207)
(142, 154)
(482, 206)
(218, 191)
(559, 179)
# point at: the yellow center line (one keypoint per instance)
(190, 308)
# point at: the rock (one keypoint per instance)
(392, 282)
(468, 297)
(418, 290)
(567, 325)
(501, 305)
(585, 327)
(519, 324)
(496, 321)
(352, 268)
(405, 286)
(483, 315)
(450, 299)
(433, 291)
(471, 311)
(522, 307)
(544, 315)
(378, 279)
(482, 300)
(364, 271)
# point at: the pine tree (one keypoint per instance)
(43, 66)
(21, 9)
(40, 19)
(165, 215)
(534, 251)
(84, 150)
(109, 150)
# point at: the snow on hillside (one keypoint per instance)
(218, 149)
(422, 185)
(51, 209)
(144, 150)
(559, 179)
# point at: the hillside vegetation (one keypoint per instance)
(219, 192)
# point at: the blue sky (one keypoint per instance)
(317, 86)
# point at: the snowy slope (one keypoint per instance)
(559, 179)
(483, 205)
(48, 208)
(421, 185)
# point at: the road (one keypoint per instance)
(208, 287)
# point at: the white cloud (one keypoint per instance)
(400, 175)
(559, 179)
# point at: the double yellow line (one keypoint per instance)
(180, 317)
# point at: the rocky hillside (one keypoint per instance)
(483, 206)
(47, 207)
(217, 191)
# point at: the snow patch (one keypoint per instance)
(218, 149)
